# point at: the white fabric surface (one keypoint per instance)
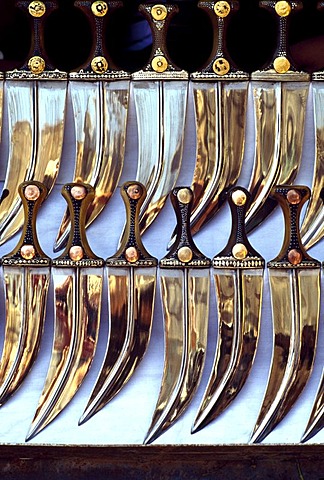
(125, 420)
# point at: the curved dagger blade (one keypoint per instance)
(280, 95)
(295, 296)
(100, 104)
(185, 298)
(36, 97)
(316, 418)
(238, 273)
(77, 278)
(131, 282)
(26, 273)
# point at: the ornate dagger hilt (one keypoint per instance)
(132, 251)
(159, 65)
(220, 65)
(28, 250)
(184, 252)
(292, 254)
(238, 251)
(100, 62)
(78, 252)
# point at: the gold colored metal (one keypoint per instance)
(99, 65)
(239, 251)
(184, 195)
(221, 66)
(159, 12)
(32, 192)
(99, 8)
(76, 253)
(222, 9)
(37, 9)
(281, 64)
(283, 8)
(293, 197)
(159, 64)
(131, 254)
(78, 192)
(185, 254)
(239, 198)
(36, 65)
(28, 252)
(316, 419)
(134, 191)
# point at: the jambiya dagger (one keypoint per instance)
(185, 281)
(131, 283)
(238, 273)
(100, 96)
(77, 277)
(295, 297)
(36, 100)
(26, 272)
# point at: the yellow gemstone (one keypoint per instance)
(281, 65)
(283, 8)
(221, 66)
(31, 192)
(36, 65)
(239, 251)
(134, 191)
(184, 195)
(78, 192)
(239, 198)
(76, 253)
(185, 254)
(159, 12)
(293, 197)
(27, 252)
(131, 254)
(36, 9)
(99, 65)
(99, 9)
(222, 9)
(159, 64)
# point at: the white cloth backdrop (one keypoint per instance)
(126, 418)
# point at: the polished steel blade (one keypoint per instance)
(185, 296)
(239, 294)
(316, 419)
(280, 110)
(295, 296)
(100, 117)
(77, 314)
(131, 300)
(312, 229)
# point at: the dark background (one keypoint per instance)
(251, 36)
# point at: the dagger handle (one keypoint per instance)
(282, 10)
(291, 199)
(132, 250)
(238, 245)
(28, 250)
(38, 12)
(219, 13)
(184, 252)
(98, 14)
(78, 252)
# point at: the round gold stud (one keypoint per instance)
(99, 9)
(185, 254)
(134, 191)
(78, 192)
(221, 66)
(99, 65)
(131, 254)
(239, 251)
(36, 65)
(27, 252)
(222, 9)
(239, 198)
(159, 64)
(184, 195)
(293, 197)
(281, 65)
(36, 9)
(32, 192)
(295, 257)
(283, 8)
(76, 253)
(159, 12)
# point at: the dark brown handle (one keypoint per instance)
(291, 199)
(184, 252)
(132, 250)
(28, 250)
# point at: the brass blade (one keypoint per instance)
(316, 418)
